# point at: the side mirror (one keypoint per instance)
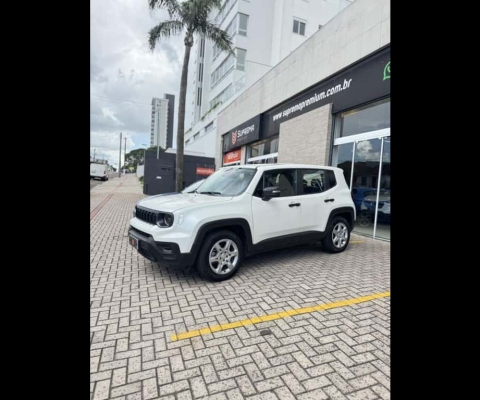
(270, 193)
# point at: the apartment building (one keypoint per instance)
(161, 131)
(263, 32)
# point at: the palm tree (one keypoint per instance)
(189, 17)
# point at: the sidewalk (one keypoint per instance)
(142, 318)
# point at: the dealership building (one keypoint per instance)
(328, 103)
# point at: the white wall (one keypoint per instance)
(140, 170)
(359, 29)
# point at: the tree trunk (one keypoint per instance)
(181, 117)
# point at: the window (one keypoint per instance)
(199, 96)
(299, 27)
(200, 72)
(209, 127)
(371, 117)
(242, 24)
(187, 142)
(232, 27)
(313, 181)
(285, 179)
(195, 137)
(332, 182)
(216, 52)
(202, 47)
(228, 181)
(222, 69)
(238, 25)
(241, 56)
(264, 148)
(224, 95)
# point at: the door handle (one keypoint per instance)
(327, 200)
(294, 205)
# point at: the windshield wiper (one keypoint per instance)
(213, 193)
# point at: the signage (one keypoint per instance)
(386, 72)
(233, 156)
(205, 171)
(363, 82)
(242, 134)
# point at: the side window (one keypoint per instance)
(332, 182)
(312, 181)
(285, 179)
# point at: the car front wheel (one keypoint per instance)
(337, 237)
(220, 256)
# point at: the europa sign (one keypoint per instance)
(205, 171)
(242, 134)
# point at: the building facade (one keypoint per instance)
(327, 103)
(161, 131)
(263, 33)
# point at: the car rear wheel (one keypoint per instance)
(337, 237)
(220, 256)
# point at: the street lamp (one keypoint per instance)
(94, 150)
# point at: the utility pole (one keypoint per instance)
(125, 152)
(94, 150)
(120, 158)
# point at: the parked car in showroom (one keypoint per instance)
(241, 210)
(365, 199)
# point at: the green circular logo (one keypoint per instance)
(386, 71)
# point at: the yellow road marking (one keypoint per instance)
(283, 314)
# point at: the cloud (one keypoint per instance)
(125, 74)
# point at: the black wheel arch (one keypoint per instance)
(346, 212)
(239, 226)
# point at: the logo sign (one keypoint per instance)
(386, 72)
(359, 84)
(205, 171)
(233, 156)
(242, 134)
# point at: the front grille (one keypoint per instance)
(140, 232)
(146, 215)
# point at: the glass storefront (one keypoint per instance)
(362, 150)
(264, 152)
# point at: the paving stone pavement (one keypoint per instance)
(341, 353)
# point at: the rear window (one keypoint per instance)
(332, 182)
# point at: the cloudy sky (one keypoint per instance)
(125, 74)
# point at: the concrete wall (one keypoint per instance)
(355, 32)
(312, 146)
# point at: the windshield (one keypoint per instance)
(228, 182)
(193, 186)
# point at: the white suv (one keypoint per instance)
(242, 210)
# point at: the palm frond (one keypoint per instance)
(197, 12)
(164, 29)
(172, 6)
(219, 37)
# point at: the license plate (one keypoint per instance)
(133, 241)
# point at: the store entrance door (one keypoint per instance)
(366, 166)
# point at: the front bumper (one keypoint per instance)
(161, 252)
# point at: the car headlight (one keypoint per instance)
(165, 220)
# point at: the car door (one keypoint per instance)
(316, 196)
(278, 216)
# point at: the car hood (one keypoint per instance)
(174, 202)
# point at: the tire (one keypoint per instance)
(338, 232)
(214, 242)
